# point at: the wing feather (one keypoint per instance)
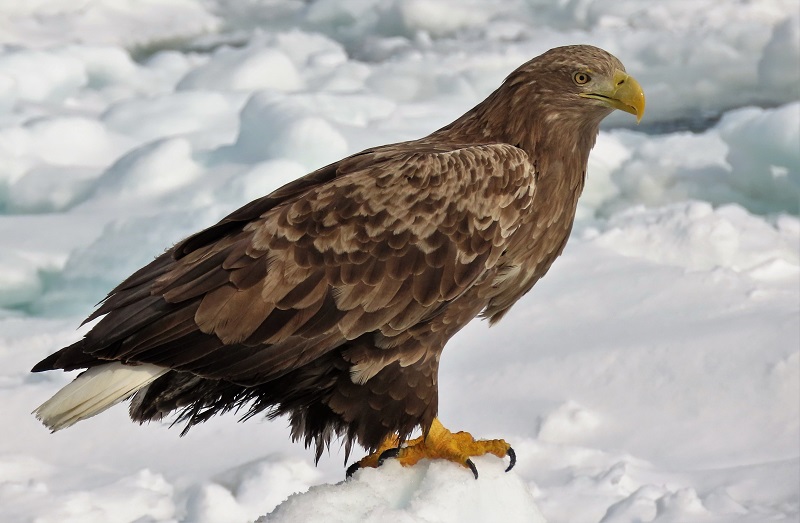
(382, 242)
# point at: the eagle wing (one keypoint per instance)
(373, 245)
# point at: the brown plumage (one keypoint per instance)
(331, 299)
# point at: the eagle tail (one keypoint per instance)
(94, 391)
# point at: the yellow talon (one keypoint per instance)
(438, 443)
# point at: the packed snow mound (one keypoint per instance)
(431, 491)
(240, 494)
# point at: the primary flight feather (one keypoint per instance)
(331, 299)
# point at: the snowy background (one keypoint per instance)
(653, 375)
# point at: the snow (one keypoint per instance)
(652, 376)
(437, 491)
(245, 69)
(284, 128)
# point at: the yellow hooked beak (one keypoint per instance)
(624, 94)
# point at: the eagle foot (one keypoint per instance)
(439, 443)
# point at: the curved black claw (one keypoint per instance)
(513, 457)
(472, 467)
(352, 470)
(388, 454)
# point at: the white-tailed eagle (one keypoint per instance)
(330, 300)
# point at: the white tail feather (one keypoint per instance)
(94, 391)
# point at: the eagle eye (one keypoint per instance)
(581, 78)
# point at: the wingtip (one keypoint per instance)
(46, 364)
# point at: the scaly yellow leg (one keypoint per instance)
(439, 443)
